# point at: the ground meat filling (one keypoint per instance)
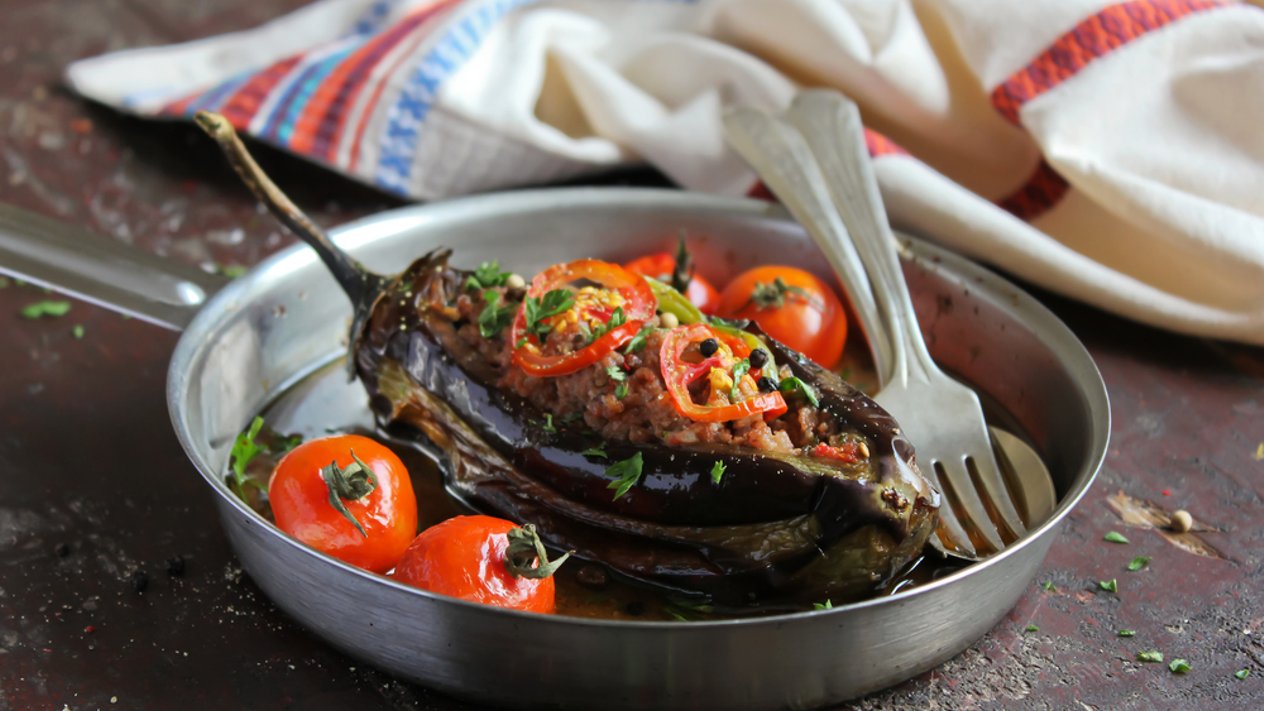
(639, 408)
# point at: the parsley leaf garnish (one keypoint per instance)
(245, 449)
(792, 384)
(621, 390)
(616, 373)
(625, 473)
(597, 451)
(1150, 656)
(1242, 673)
(40, 309)
(1178, 666)
(486, 276)
(717, 471)
(1138, 563)
(494, 317)
(548, 425)
(637, 342)
(827, 605)
(1031, 628)
(1115, 537)
(617, 319)
(1109, 585)
(551, 304)
(739, 370)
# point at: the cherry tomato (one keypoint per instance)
(482, 559)
(364, 518)
(678, 374)
(793, 307)
(660, 266)
(638, 307)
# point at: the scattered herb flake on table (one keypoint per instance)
(1150, 656)
(1127, 633)
(1109, 585)
(1031, 628)
(1049, 586)
(1178, 666)
(1115, 537)
(1242, 673)
(1138, 563)
(49, 308)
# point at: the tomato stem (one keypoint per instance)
(354, 482)
(525, 548)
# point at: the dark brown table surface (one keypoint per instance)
(94, 488)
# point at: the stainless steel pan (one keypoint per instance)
(263, 332)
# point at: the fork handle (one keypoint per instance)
(784, 162)
(831, 125)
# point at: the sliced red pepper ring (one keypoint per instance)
(638, 307)
(678, 374)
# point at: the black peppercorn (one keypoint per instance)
(708, 347)
(766, 385)
(758, 358)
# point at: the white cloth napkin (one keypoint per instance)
(1110, 152)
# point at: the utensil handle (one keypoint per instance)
(784, 162)
(101, 270)
(831, 124)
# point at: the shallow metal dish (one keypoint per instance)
(267, 330)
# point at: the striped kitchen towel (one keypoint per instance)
(1113, 152)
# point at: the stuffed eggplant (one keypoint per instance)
(691, 454)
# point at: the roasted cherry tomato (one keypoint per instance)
(660, 266)
(482, 559)
(793, 307)
(613, 311)
(733, 392)
(347, 496)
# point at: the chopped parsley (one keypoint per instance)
(1242, 673)
(597, 451)
(494, 317)
(486, 276)
(245, 449)
(792, 385)
(1109, 585)
(1114, 537)
(637, 342)
(1031, 628)
(1127, 633)
(77, 331)
(1178, 666)
(49, 308)
(739, 371)
(626, 473)
(232, 271)
(1049, 586)
(621, 390)
(617, 319)
(548, 306)
(616, 373)
(827, 605)
(1150, 656)
(548, 425)
(1138, 563)
(717, 471)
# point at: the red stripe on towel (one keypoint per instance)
(1094, 37)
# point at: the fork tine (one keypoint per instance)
(989, 472)
(968, 497)
(950, 536)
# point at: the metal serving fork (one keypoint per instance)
(820, 144)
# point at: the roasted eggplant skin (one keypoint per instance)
(775, 527)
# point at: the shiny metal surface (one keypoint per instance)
(268, 329)
(100, 270)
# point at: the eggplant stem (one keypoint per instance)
(361, 285)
